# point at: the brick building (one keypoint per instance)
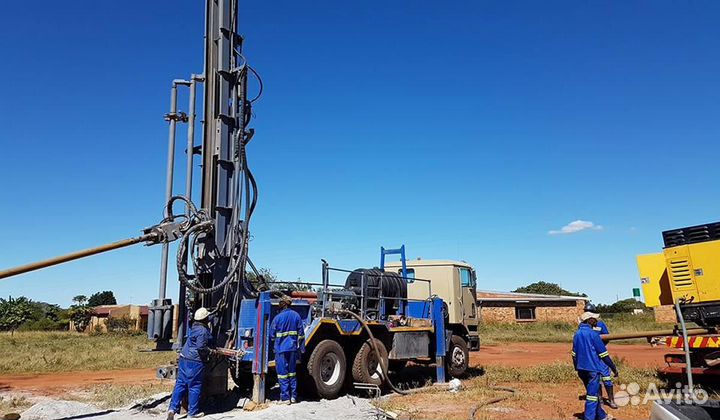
(136, 313)
(509, 307)
(665, 314)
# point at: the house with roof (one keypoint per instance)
(511, 307)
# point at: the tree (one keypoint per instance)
(621, 306)
(102, 298)
(80, 313)
(273, 283)
(14, 312)
(545, 288)
(80, 299)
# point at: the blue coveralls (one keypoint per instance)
(606, 378)
(591, 359)
(191, 369)
(287, 331)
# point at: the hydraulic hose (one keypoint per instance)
(381, 362)
(476, 407)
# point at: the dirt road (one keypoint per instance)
(51, 384)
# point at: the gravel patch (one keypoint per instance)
(346, 408)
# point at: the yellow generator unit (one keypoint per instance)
(654, 280)
(692, 272)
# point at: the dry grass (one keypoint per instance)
(535, 385)
(38, 352)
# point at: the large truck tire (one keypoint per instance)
(366, 368)
(457, 357)
(326, 367)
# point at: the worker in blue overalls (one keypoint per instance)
(607, 380)
(191, 366)
(289, 336)
(591, 360)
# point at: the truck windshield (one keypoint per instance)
(466, 277)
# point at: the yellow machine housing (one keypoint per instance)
(694, 271)
(654, 279)
(687, 271)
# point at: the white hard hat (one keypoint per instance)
(201, 314)
(587, 315)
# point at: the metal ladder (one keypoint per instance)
(396, 251)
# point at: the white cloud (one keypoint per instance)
(575, 227)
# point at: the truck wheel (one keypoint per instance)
(366, 368)
(326, 366)
(457, 357)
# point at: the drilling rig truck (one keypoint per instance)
(372, 321)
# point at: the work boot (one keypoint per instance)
(293, 400)
(611, 398)
(196, 416)
(171, 415)
(284, 402)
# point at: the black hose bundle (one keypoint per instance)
(373, 283)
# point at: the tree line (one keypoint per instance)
(25, 314)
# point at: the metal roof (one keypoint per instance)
(493, 296)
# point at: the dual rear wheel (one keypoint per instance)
(327, 367)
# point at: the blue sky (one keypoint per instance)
(465, 130)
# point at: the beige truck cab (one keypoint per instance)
(453, 281)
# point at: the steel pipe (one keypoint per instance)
(172, 117)
(649, 334)
(75, 256)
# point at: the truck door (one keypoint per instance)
(469, 297)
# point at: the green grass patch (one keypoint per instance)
(562, 332)
(560, 372)
(40, 351)
(541, 332)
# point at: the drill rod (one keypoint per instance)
(75, 255)
(649, 334)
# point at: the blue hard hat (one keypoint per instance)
(589, 307)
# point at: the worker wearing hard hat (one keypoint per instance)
(591, 360)
(607, 380)
(600, 327)
(287, 331)
(191, 366)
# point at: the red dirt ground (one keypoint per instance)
(51, 384)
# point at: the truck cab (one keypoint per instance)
(455, 282)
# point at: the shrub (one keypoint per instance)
(97, 330)
(123, 325)
(44, 324)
